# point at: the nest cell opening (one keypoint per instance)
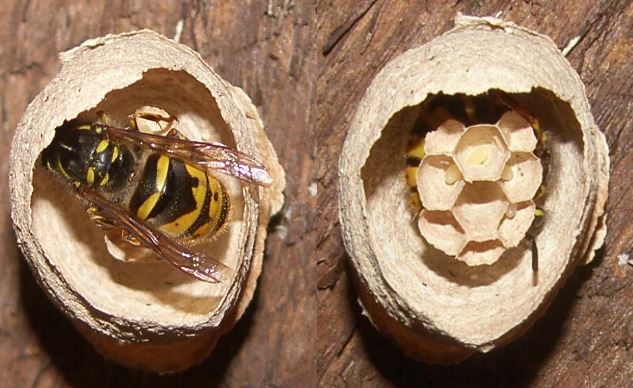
(481, 153)
(444, 184)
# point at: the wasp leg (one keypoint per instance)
(128, 238)
(102, 222)
(157, 118)
(534, 248)
(174, 133)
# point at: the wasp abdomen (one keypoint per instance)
(179, 199)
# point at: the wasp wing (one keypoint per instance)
(197, 265)
(213, 156)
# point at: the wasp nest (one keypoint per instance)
(476, 185)
(142, 314)
(467, 270)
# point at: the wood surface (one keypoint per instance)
(585, 338)
(265, 47)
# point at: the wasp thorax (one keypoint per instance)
(477, 186)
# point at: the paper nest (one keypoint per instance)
(477, 186)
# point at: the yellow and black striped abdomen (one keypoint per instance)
(179, 199)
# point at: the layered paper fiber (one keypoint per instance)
(145, 314)
(437, 308)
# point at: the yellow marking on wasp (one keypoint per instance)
(102, 146)
(61, 169)
(539, 212)
(416, 148)
(410, 174)
(77, 184)
(181, 224)
(90, 175)
(147, 206)
(115, 154)
(162, 167)
(105, 180)
(215, 207)
(216, 210)
(84, 127)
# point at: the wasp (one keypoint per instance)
(160, 192)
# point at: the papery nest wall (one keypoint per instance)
(440, 309)
(143, 314)
(77, 246)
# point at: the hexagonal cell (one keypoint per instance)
(481, 253)
(481, 153)
(527, 174)
(513, 229)
(444, 139)
(517, 132)
(442, 231)
(479, 210)
(435, 191)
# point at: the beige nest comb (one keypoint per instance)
(476, 185)
(455, 278)
(141, 314)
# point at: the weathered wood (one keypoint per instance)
(586, 336)
(267, 49)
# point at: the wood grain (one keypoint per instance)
(586, 337)
(267, 48)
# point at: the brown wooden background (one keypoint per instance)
(267, 48)
(586, 337)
